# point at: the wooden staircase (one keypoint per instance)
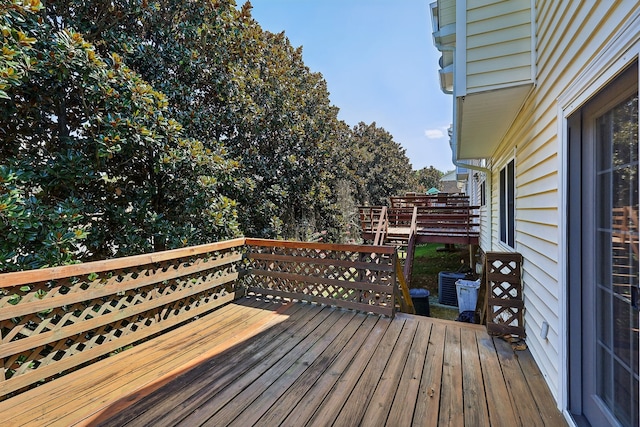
(414, 219)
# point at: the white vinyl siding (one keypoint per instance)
(485, 238)
(447, 12)
(569, 37)
(498, 44)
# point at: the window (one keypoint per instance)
(483, 193)
(507, 204)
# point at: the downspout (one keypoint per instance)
(443, 48)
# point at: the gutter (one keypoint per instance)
(443, 48)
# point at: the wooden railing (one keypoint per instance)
(374, 222)
(350, 276)
(423, 200)
(411, 246)
(454, 222)
(401, 217)
(54, 320)
(625, 240)
(625, 227)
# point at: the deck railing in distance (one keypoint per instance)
(448, 224)
(56, 319)
(359, 277)
(625, 250)
(424, 200)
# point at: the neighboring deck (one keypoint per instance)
(256, 362)
(444, 218)
(415, 219)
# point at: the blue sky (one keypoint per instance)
(379, 62)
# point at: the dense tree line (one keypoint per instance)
(128, 126)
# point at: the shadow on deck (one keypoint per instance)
(169, 338)
(301, 364)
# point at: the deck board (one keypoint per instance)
(348, 401)
(256, 399)
(428, 399)
(378, 407)
(195, 387)
(365, 339)
(451, 403)
(404, 400)
(519, 391)
(495, 389)
(262, 363)
(275, 414)
(475, 408)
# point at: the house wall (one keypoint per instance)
(447, 12)
(498, 43)
(569, 37)
(485, 238)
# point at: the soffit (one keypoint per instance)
(484, 118)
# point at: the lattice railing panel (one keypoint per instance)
(505, 305)
(358, 277)
(53, 320)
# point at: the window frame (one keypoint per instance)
(507, 220)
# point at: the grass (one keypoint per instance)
(428, 262)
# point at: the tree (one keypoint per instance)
(93, 165)
(130, 126)
(383, 164)
(227, 80)
(428, 178)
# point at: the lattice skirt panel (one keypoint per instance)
(505, 305)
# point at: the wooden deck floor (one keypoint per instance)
(263, 363)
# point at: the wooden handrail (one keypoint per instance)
(424, 200)
(52, 273)
(381, 228)
(406, 303)
(319, 246)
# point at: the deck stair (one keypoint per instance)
(414, 219)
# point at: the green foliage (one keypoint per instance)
(16, 42)
(93, 164)
(427, 178)
(382, 163)
(134, 126)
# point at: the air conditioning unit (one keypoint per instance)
(447, 287)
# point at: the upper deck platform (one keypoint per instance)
(260, 361)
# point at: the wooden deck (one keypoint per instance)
(257, 362)
(451, 223)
